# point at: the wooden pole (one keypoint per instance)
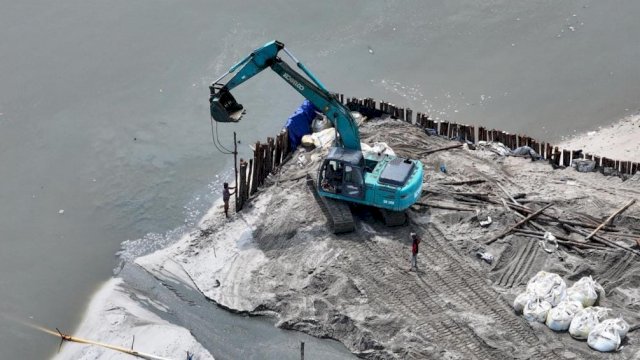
(440, 149)
(235, 167)
(129, 351)
(249, 179)
(506, 232)
(560, 239)
(443, 206)
(609, 219)
(301, 350)
(464, 182)
(242, 184)
(256, 168)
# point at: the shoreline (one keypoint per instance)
(619, 140)
(114, 317)
(224, 264)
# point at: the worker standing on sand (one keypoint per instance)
(415, 241)
(226, 195)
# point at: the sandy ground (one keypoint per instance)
(618, 141)
(278, 258)
(115, 317)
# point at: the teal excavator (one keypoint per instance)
(389, 183)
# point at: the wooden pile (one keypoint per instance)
(267, 159)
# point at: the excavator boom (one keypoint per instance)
(225, 108)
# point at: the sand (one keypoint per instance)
(619, 141)
(115, 317)
(277, 258)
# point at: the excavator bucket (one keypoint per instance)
(224, 107)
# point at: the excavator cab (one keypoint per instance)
(341, 174)
(224, 107)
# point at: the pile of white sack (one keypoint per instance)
(547, 300)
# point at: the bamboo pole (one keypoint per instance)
(604, 241)
(464, 182)
(440, 149)
(129, 351)
(609, 219)
(443, 206)
(506, 232)
(561, 240)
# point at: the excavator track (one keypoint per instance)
(338, 213)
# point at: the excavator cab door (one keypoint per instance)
(224, 107)
(352, 182)
(342, 178)
(331, 176)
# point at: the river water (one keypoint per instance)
(104, 127)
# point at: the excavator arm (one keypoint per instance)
(224, 107)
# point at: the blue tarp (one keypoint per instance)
(299, 124)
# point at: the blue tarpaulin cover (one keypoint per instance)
(299, 124)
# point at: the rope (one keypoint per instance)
(213, 138)
(219, 142)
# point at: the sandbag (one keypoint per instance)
(559, 318)
(621, 326)
(586, 291)
(324, 138)
(320, 123)
(604, 338)
(607, 335)
(536, 310)
(378, 151)
(521, 301)
(585, 321)
(548, 286)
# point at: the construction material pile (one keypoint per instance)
(548, 300)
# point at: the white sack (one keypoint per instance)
(586, 291)
(521, 301)
(548, 286)
(621, 326)
(585, 321)
(559, 318)
(604, 337)
(536, 310)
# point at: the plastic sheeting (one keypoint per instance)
(299, 123)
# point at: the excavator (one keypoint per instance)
(347, 176)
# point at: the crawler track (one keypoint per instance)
(433, 300)
(338, 213)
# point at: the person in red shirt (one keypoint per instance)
(415, 241)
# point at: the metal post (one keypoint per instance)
(301, 350)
